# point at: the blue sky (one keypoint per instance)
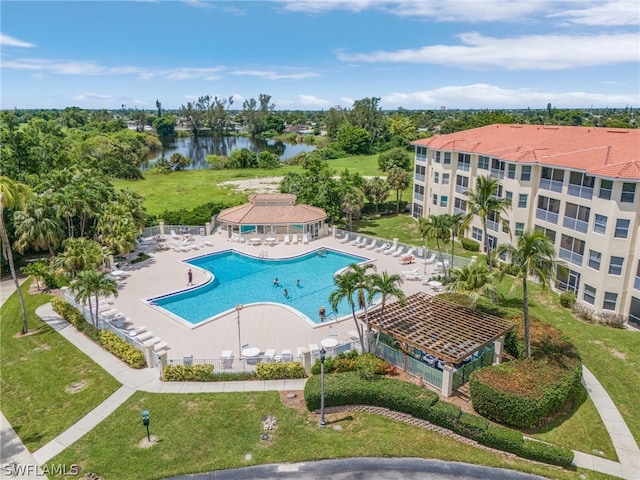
(313, 55)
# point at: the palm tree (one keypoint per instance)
(352, 204)
(471, 280)
(12, 195)
(398, 179)
(79, 254)
(484, 201)
(436, 227)
(90, 283)
(37, 227)
(345, 288)
(532, 256)
(458, 225)
(364, 291)
(386, 286)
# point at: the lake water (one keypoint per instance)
(197, 149)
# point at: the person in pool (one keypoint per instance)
(276, 282)
(322, 313)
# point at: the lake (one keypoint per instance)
(198, 148)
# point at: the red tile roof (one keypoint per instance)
(609, 152)
(272, 209)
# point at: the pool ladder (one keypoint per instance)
(263, 254)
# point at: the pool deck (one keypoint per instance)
(262, 326)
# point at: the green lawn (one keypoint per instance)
(47, 384)
(203, 432)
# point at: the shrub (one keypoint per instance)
(188, 373)
(545, 452)
(275, 371)
(611, 319)
(352, 361)
(470, 245)
(351, 389)
(444, 414)
(567, 299)
(121, 349)
(470, 426)
(502, 438)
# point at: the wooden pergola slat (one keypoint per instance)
(448, 331)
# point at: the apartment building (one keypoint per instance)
(580, 185)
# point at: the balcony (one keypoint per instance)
(570, 256)
(580, 191)
(552, 185)
(421, 158)
(575, 224)
(547, 216)
(494, 226)
(461, 189)
(457, 210)
(420, 177)
(497, 173)
(465, 167)
(636, 283)
(418, 196)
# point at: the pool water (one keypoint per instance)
(242, 279)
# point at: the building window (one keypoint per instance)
(594, 259)
(462, 184)
(464, 162)
(508, 195)
(610, 300)
(438, 156)
(615, 265)
(600, 224)
(581, 185)
(483, 162)
(447, 158)
(550, 234)
(522, 200)
(417, 210)
(519, 229)
(628, 192)
(492, 242)
(511, 172)
(525, 173)
(445, 179)
(576, 217)
(497, 168)
(419, 191)
(436, 177)
(444, 200)
(606, 186)
(434, 199)
(571, 249)
(476, 234)
(459, 206)
(551, 179)
(568, 280)
(589, 295)
(622, 228)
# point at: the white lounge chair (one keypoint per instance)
(160, 346)
(408, 253)
(345, 238)
(390, 250)
(286, 356)
(305, 238)
(363, 243)
(410, 272)
(313, 347)
(353, 335)
(294, 239)
(286, 240)
(383, 247)
(144, 336)
(398, 252)
(356, 240)
(431, 259)
(133, 331)
(174, 235)
(372, 245)
(269, 354)
(227, 358)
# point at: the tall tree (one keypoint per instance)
(345, 289)
(386, 286)
(484, 201)
(458, 225)
(12, 196)
(37, 226)
(352, 203)
(533, 256)
(89, 285)
(398, 179)
(367, 114)
(472, 280)
(79, 254)
(436, 227)
(376, 190)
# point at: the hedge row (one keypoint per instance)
(75, 318)
(202, 373)
(350, 362)
(280, 370)
(351, 389)
(121, 349)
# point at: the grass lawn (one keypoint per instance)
(612, 355)
(203, 432)
(47, 384)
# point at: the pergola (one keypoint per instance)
(443, 329)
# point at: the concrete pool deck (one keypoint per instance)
(262, 326)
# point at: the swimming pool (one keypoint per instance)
(243, 279)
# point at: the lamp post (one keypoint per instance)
(238, 308)
(145, 422)
(425, 259)
(323, 355)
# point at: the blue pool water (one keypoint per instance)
(241, 279)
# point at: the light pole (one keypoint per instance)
(238, 308)
(323, 355)
(425, 259)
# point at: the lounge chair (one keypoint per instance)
(383, 247)
(143, 337)
(390, 250)
(353, 335)
(294, 239)
(431, 259)
(227, 358)
(269, 354)
(174, 235)
(313, 347)
(345, 238)
(356, 241)
(398, 252)
(410, 272)
(286, 239)
(133, 331)
(363, 243)
(286, 356)
(208, 243)
(372, 245)
(409, 253)
(305, 238)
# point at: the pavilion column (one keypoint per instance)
(498, 347)
(447, 380)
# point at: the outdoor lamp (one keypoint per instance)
(145, 422)
(323, 355)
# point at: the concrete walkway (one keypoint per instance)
(148, 380)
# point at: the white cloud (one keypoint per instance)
(272, 75)
(313, 101)
(90, 96)
(347, 102)
(533, 52)
(612, 13)
(482, 95)
(9, 41)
